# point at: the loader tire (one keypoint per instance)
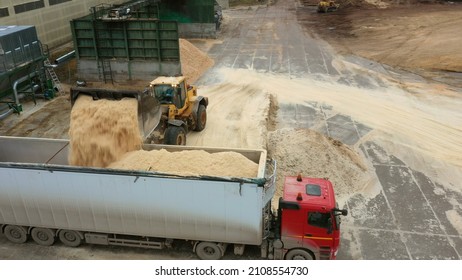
(175, 135)
(201, 119)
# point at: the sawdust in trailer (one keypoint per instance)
(189, 163)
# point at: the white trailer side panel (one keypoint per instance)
(189, 209)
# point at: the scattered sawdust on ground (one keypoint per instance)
(415, 125)
(237, 117)
(45, 119)
(456, 220)
(314, 155)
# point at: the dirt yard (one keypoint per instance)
(420, 38)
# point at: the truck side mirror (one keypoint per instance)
(343, 212)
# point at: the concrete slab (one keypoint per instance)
(371, 213)
(382, 245)
(346, 133)
(349, 245)
(442, 200)
(409, 206)
(298, 116)
(362, 129)
(378, 155)
(456, 242)
(430, 247)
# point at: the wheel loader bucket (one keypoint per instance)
(149, 109)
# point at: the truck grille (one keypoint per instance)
(324, 253)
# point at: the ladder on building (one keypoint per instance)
(105, 70)
(51, 72)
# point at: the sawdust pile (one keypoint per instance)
(101, 131)
(315, 155)
(105, 133)
(189, 163)
(193, 61)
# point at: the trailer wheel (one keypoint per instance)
(175, 135)
(70, 238)
(299, 254)
(15, 234)
(208, 251)
(43, 236)
(201, 119)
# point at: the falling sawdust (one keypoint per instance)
(101, 131)
(194, 62)
(189, 163)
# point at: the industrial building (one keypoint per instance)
(113, 42)
(51, 17)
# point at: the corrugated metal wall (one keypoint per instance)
(18, 45)
(119, 48)
(20, 56)
(143, 37)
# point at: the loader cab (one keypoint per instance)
(169, 91)
(314, 225)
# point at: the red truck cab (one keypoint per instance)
(309, 219)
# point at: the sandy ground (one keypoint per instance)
(420, 38)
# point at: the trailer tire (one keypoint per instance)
(299, 254)
(201, 118)
(15, 234)
(175, 135)
(70, 238)
(208, 251)
(43, 236)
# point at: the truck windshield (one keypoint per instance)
(164, 93)
(319, 219)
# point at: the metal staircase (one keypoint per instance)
(105, 70)
(103, 63)
(53, 76)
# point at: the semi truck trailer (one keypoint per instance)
(45, 199)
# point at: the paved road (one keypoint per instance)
(406, 220)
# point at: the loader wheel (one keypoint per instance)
(175, 135)
(201, 119)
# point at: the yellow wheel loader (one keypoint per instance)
(167, 109)
(327, 6)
